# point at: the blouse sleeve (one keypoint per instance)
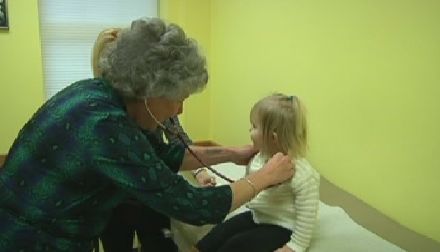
(171, 154)
(123, 154)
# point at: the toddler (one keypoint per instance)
(281, 218)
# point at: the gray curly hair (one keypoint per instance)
(153, 59)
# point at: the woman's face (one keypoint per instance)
(256, 133)
(165, 108)
(160, 108)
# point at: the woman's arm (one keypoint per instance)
(212, 155)
(132, 165)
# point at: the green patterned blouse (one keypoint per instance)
(78, 157)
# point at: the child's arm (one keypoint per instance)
(306, 206)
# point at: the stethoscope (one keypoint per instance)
(177, 134)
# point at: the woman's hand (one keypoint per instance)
(243, 154)
(278, 169)
(205, 179)
(284, 249)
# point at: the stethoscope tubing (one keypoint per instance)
(185, 144)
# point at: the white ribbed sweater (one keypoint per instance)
(292, 205)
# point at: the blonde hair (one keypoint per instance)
(284, 116)
(104, 38)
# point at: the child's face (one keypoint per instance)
(256, 133)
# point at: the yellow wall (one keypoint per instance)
(194, 16)
(368, 72)
(21, 76)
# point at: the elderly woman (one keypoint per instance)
(90, 147)
(130, 217)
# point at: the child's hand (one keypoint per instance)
(205, 179)
(284, 249)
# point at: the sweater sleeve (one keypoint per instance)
(123, 155)
(306, 208)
